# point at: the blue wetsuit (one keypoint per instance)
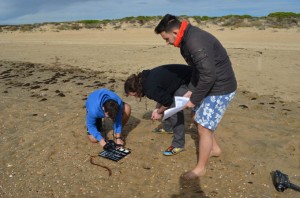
(94, 106)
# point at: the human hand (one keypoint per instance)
(189, 105)
(156, 115)
(102, 142)
(110, 145)
(119, 141)
(187, 94)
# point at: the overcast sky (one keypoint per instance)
(38, 11)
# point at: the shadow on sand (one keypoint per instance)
(132, 123)
(190, 188)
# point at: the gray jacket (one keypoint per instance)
(212, 70)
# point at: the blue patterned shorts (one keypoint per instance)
(210, 112)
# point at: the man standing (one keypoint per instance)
(212, 84)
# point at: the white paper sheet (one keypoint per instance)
(179, 104)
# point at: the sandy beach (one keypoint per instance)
(46, 76)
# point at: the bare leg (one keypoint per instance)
(92, 139)
(205, 148)
(216, 150)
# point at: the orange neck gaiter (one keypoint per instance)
(180, 34)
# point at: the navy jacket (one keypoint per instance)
(160, 83)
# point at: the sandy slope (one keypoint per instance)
(44, 150)
(268, 56)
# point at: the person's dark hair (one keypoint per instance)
(167, 23)
(112, 108)
(134, 84)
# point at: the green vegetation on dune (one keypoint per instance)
(146, 18)
(94, 21)
(273, 20)
(245, 16)
(139, 19)
(89, 21)
(284, 14)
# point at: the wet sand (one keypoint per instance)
(46, 77)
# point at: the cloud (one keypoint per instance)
(10, 9)
(143, 3)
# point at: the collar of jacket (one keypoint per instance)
(180, 33)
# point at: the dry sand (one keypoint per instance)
(46, 76)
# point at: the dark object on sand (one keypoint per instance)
(113, 151)
(281, 182)
(107, 168)
(110, 145)
(243, 106)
